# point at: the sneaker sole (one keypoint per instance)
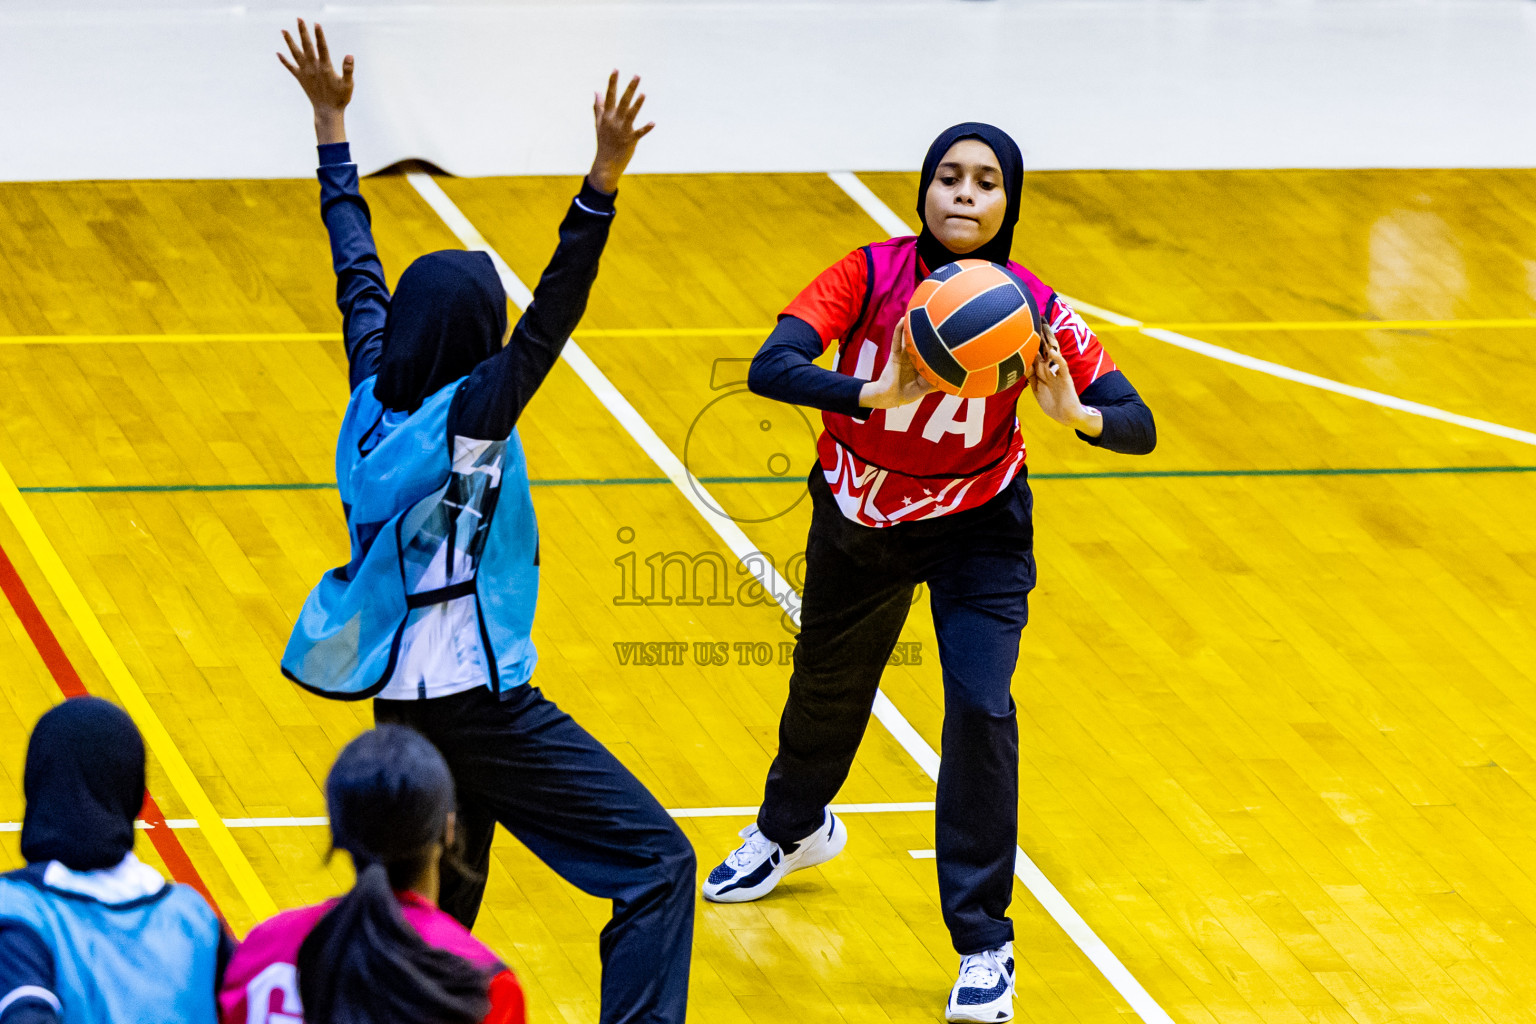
(968, 1017)
(787, 866)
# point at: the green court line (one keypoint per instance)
(610, 481)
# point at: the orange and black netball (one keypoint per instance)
(973, 329)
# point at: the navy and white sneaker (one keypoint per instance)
(984, 991)
(755, 867)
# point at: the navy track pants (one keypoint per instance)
(523, 762)
(979, 567)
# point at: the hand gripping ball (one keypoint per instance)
(973, 329)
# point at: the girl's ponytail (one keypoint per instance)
(363, 962)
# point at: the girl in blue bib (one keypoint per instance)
(431, 616)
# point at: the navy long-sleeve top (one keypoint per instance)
(784, 367)
(493, 396)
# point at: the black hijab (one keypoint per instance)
(1009, 160)
(84, 784)
(448, 314)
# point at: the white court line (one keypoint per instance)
(676, 812)
(1027, 871)
(923, 854)
(889, 221)
(886, 712)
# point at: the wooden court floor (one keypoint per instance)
(1277, 701)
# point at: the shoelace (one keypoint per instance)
(980, 970)
(753, 849)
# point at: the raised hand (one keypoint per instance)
(328, 92)
(617, 135)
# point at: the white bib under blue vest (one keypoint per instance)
(406, 507)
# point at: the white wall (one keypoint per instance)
(164, 89)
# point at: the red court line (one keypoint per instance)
(169, 847)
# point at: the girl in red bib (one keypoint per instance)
(918, 487)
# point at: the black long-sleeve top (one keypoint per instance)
(493, 396)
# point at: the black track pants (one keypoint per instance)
(526, 764)
(979, 567)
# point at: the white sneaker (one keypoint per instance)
(984, 991)
(755, 867)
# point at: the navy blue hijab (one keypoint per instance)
(448, 315)
(84, 784)
(1009, 160)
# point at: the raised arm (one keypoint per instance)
(489, 403)
(361, 293)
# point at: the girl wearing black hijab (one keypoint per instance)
(432, 615)
(914, 486)
(88, 932)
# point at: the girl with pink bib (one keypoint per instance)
(383, 952)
